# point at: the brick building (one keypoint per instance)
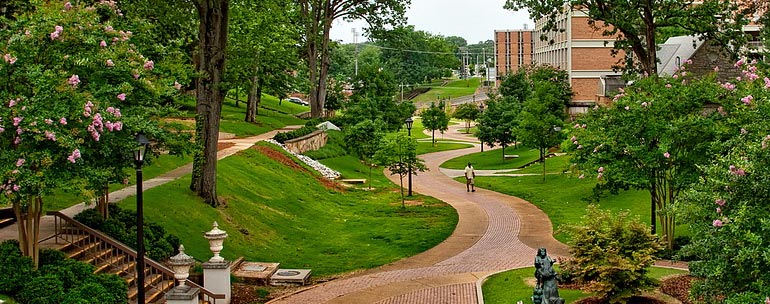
(513, 49)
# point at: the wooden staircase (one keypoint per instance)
(110, 256)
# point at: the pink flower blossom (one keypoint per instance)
(716, 69)
(48, 121)
(74, 80)
(599, 176)
(108, 29)
(56, 32)
(125, 181)
(764, 141)
(580, 147)
(74, 156)
(719, 210)
(747, 100)
(575, 142)
(767, 83)
(684, 73)
(177, 85)
(738, 78)
(50, 135)
(739, 63)
(17, 121)
(117, 113)
(743, 131)
(627, 108)
(582, 176)
(109, 63)
(583, 126)
(717, 223)
(103, 43)
(63, 121)
(111, 110)
(118, 125)
(573, 138)
(20, 162)
(767, 300)
(644, 104)
(675, 76)
(666, 155)
(9, 59)
(740, 172)
(19, 131)
(689, 61)
(17, 140)
(122, 96)
(16, 188)
(15, 171)
(600, 170)
(136, 76)
(577, 126)
(110, 127)
(67, 6)
(2, 129)
(149, 65)
(11, 103)
(728, 86)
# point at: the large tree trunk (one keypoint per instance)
(323, 74)
(213, 16)
(311, 16)
(251, 101)
(28, 221)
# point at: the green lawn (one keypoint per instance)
(568, 204)
(552, 165)
(453, 89)
(427, 147)
(493, 159)
(274, 213)
(511, 286)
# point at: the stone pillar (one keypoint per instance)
(182, 293)
(216, 272)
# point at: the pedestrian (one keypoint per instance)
(470, 175)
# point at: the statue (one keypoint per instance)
(546, 279)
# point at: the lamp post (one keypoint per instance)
(139, 155)
(409, 123)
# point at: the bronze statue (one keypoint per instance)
(546, 279)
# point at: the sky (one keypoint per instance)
(474, 20)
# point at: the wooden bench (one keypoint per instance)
(510, 156)
(354, 181)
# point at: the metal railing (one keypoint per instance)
(105, 252)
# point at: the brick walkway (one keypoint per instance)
(490, 237)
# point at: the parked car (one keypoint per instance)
(298, 101)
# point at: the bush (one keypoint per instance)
(335, 146)
(46, 289)
(122, 226)
(284, 136)
(88, 293)
(72, 273)
(15, 269)
(51, 257)
(116, 287)
(611, 254)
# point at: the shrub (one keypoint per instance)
(611, 254)
(122, 226)
(116, 287)
(69, 271)
(51, 257)
(284, 136)
(46, 289)
(15, 269)
(88, 293)
(335, 147)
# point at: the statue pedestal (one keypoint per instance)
(216, 277)
(182, 296)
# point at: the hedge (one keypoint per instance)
(284, 136)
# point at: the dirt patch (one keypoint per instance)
(632, 300)
(677, 286)
(408, 203)
(287, 161)
(224, 145)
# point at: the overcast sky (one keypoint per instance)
(474, 20)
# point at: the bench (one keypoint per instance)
(510, 156)
(354, 181)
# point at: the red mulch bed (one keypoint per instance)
(633, 300)
(224, 145)
(285, 160)
(677, 286)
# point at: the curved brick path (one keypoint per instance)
(495, 232)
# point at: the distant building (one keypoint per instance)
(513, 49)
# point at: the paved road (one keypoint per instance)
(495, 232)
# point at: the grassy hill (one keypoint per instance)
(277, 211)
(453, 89)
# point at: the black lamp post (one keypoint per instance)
(409, 123)
(139, 155)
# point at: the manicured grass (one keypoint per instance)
(472, 130)
(351, 167)
(428, 147)
(567, 205)
(274, 213)
(159, 166)
(453, 89)
(271, 116)
(417, 128)
(511, 286)
(493, 159)
(552, 165)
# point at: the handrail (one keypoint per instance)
(130, 252)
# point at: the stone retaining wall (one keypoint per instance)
(312, 141)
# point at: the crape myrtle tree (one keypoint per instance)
(467, 112)
(726, 209)
(635, 25)
(398, 153)
(363, 139)
(435, 118)
(74, 91)
(317, 17)
(653, 137)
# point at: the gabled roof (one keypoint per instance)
(682, 47)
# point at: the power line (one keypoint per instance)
(426, 52)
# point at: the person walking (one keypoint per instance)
(469, 176)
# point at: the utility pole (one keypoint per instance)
(355, 41)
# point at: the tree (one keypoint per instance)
(544, 110)
(541, 120)
(497, 124)
(363, 139)
(415, 56)
(726, 208)
(317, 17)
(210, 93)
(654, 137)
(66, 86)
(467, 112)
(611, 254)
(398, 153)
(435, 118)
(635, 24)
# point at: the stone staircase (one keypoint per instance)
(107, 255)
